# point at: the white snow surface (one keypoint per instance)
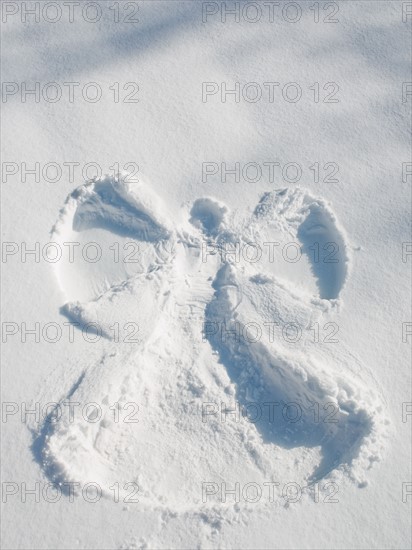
(197, 296)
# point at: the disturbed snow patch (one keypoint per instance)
(194, 347)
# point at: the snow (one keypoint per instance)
(233, 363)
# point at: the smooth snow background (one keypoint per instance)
(169, 133)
